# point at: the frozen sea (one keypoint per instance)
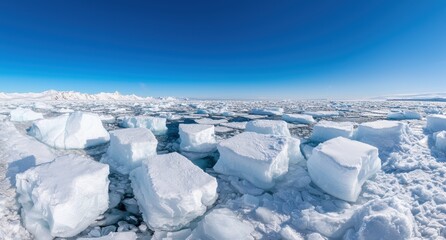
(406, 199)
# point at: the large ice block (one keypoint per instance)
(326, 130)
(171, 191)
(63, 197)
(274, 127)
(76, 130)
(436, 123)
(128, 147)
(340, 166)
(197, 137)
(299, 118)
(383, 134)
(258, 158)
(156, 124)
(23, 114)
(440, 141)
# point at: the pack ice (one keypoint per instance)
(259, 158)
(156, 124)
(436, 123)
(222, 223)
(63, 197)
(383, 134)
(23, 114)
(171, 191)
(77, 130)
(128, 147)
(197, 137)
(299, 118)
(340, 167)
(274, 127)
(326, 130)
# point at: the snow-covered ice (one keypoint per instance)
(129, 147)
(222, 224)
(156, 124)
(274, 127)
(383, 134)
(299, 118)
(440, 141)
(77, 130)
(436, 122)
(258, 158)
(24, 114)
(171, 191)
(63, 197)
(197, 138)
(267, 111)
(326, 130)
(340, 166)
(403, 115)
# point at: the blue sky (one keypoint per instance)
(225, 49)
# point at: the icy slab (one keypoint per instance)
(440, 141)
(78, 130)
(23, 114)
(210, 121)
(258, 158)
(326, 130)
(267, 111)
(383, 134)
(321, 114)
(114, 236)
(436, 123)
(274, 127)
(129, 147)
(171, 191)
(340, 167)
(403, 115)
(155, 124)
(24, 152)
(222, 224)
(235, 125)
(107, 118)
(63, 197)
(298, 118)
(197, 137)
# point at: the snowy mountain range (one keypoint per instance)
(53, 95)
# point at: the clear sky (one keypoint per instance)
(225, 49)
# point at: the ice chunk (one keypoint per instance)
(222, 224)
(178, 235)
(403, 115)
(210, 121)
(155, 124)
(77, 130)
(436, 123)
(23, 114)
(326, 130)
(258, 158)
(197, 137)
(340, 166)
(24, 151)
(128, 147)
(299, 118)
(63, 197)
(382, 134)
(274, 127)
(171, 191)
(321, 114)
(114, 236)
(267, 111)
(440, 141)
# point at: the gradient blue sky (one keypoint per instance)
(225, 49)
